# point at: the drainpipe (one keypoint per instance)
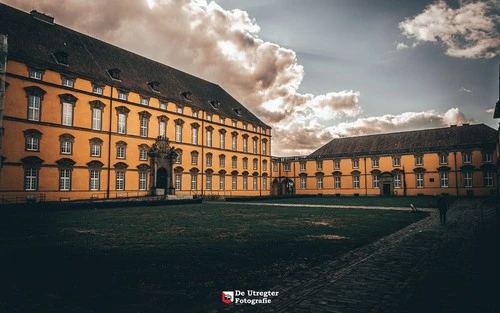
(456, 172)
(366, 179)
(202, 130)
(109, 142)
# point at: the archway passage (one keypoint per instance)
(288, 187)
(161, 178)
(275, 188)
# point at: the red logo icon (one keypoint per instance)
(228, 297)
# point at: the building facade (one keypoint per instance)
(82, 119)
(458, 161)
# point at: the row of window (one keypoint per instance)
(396, 161)
(419, 180)
(34, 103)
(31, 179)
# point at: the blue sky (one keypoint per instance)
(318, 69)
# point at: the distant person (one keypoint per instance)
(443, 208)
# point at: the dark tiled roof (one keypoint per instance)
(33, 42)
(439, 139)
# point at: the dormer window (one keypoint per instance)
(97, 89)
(215, 104)
(122, 95)
(68, 81)
(187, 95)
(114, 73)
(155, 86)
(237, 111)
(61, 57)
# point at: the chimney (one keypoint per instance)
(42, 17)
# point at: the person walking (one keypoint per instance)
(443, 208)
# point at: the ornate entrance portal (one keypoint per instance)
(161, 156)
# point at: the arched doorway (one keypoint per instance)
(288, 187)
(275, 188)
(161, 178)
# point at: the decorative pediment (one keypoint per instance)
(143, 167)
(65, 162)
(121, 166)
(69, 98)
(95, 164)
(31, 160)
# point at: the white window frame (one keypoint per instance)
(444, 179)
(64, 179)
(34, 107)
(120, 181)
(95, 181)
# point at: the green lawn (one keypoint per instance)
(169, 259)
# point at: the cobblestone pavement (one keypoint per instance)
(425, 267)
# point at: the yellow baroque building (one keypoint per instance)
(81, 119)
(457, 161)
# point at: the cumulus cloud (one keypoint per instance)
(367, 126)
(208, 41)
(469, 31)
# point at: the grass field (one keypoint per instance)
(169, 259)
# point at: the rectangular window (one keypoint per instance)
(319, 181)
(255, 146)
(396, 161)
(420, 180)
(31, 179)
(255, 164)
(67, 114)
(66, 147)
(234, 162)
(96, 119)
(143, 154)
(397, 180)
(245, 144)
(336, 164)
(179, 109)
(144, 101)
(275, 166)
(209, 160)
(68, 82)
(222, 138)
(178, 133)
(303, 182)
(245, 163)
(143, 176)
(466, 158)
(355, 182)
(443, 159)
(34, 108)
(319, 165)
(419, 160)
(222, 120)
(234, 182)
(488, 179)
(264, 183)
(209, 138)
(122, 123)
(32, 143)
(233, 143)
(195, 113)
(374, 163)
(468, 179)
(194, 136)
(97, 89)
(162, 129)
(487, 157)
(194, 181)
(94, 180)
(120, 180)
(336, 180)
(376, 183)
(264, 165)
(209, 117)
(144, 127)
(64, 179)
(209, 182)
(120, 152)
(95, 150)
(222, 183)
(36, 74)
(443, 178)
(286, 167)
(255, 183)
(222, 161)
(194, 159)
(245, 126)
(264, 148)
(355, 163)
(178, 181)
(122, 96)
(163, 106)
(245, 182)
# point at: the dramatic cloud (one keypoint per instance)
(469, 31)
(364, 126)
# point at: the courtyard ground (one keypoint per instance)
(173, 258)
